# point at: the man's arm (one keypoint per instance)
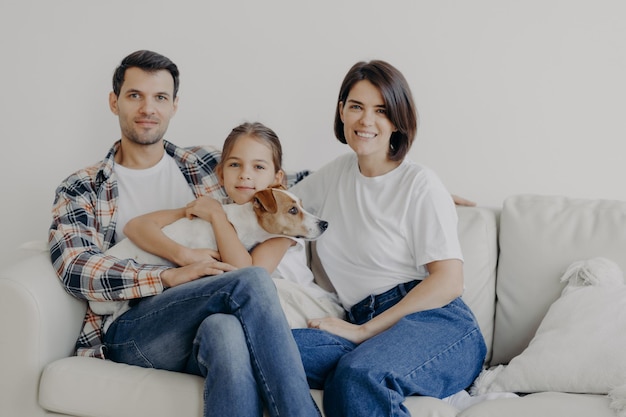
(77, 239)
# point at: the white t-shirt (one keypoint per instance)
(161, 187)
(382, 230)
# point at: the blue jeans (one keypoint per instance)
(434, 353)
(231, 330)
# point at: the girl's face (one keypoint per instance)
(365, 124)
(248, 169)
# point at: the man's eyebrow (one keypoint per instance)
(159, 93)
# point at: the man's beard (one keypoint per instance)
(147, 139)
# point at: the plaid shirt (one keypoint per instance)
(84, 216)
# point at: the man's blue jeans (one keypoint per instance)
(431, 353)
(230, 329)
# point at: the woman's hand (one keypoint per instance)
(177, 276)
(353, 332)
(206, 208)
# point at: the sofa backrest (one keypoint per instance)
(539, 237)
(478, 235)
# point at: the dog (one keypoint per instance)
(273, 212)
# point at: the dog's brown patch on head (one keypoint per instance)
(280, 212)
(265, 200)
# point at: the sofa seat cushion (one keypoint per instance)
(80, 386)
(84, 386)
(545, 404)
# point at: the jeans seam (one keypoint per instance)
(442, 352)
(253, 357)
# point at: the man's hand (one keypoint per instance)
(176, 276)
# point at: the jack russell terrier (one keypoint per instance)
(273, 212)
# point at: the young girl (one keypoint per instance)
(394, 258)
(251, 161)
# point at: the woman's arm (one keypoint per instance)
(443, 285)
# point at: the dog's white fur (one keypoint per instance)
(273, 212)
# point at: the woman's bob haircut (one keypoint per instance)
(399, 104)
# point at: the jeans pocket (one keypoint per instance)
(127, 352)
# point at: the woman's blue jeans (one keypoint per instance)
(231, 330)
(431, 353)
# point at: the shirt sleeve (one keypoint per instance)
(434, 223)
(77, 239)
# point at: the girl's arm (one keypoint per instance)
(145, 231)
(230, 248)
(268, 254)
(443, 285)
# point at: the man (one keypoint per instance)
(175, 312)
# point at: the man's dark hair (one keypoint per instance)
(147, 61)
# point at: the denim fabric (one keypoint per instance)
(230, 329)
(373, 305)
(434, 353)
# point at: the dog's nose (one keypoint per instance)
(323, 225)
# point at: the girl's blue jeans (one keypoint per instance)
(231, 330)
(434, 353)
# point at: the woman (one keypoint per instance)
(393, 255)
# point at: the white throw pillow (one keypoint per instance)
(579, 346)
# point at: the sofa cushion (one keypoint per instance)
(545, 404)
(540, 236)
(478, 237)
(81, 386)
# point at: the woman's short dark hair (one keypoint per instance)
(147, 61)
(398, 99)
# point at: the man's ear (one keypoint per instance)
(265, 200)
(113, 103)
(175, 106)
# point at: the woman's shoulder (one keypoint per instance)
(417, 170)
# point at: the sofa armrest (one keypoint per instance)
(39, 323)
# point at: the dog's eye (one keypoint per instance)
(293, 210)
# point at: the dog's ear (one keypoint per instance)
(278, 186)
(265, 200)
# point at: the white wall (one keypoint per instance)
(514, 96)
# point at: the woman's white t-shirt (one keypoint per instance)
(382, 230)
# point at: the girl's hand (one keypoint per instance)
(206, 208)
(353, 332)
(188, 256)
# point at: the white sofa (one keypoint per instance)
(514, 257)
